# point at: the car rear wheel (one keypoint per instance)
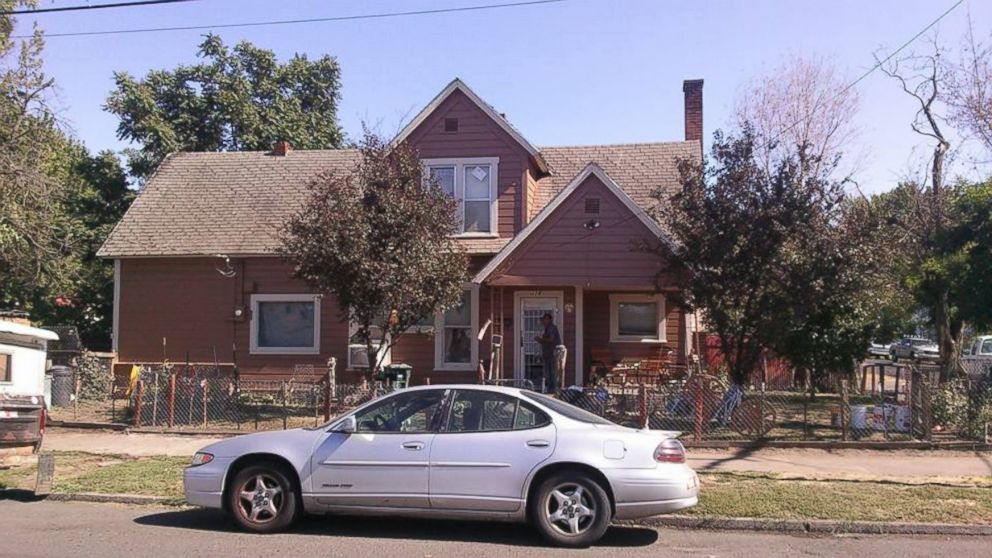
(262, 499)
(571, 510)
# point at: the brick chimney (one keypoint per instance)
(693, 90)
(281, 148)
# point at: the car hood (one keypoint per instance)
(269, 442)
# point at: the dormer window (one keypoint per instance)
(473, 182)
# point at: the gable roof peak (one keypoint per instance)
(458, 85)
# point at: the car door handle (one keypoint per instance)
(413, 446)
(538, 443)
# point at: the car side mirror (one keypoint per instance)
(347, 425)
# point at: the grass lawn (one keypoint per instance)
(723, 494)
(744, 495)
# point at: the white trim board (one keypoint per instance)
(611, 185)
(458, 85)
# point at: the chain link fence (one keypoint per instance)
(882, 403)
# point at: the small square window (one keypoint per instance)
(450, 124)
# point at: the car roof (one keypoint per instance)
(483, 387)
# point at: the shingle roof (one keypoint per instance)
(233, 203)
(639, 168)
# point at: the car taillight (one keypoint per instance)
(670, 451)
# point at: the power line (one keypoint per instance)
(297, 21)
(637, 212)
(870, 71)
(91, 7)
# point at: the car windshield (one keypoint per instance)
(562, 408)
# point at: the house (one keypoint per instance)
(564, 230)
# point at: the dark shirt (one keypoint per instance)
(551, 333)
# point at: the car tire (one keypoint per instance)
(570, 510)
(894, 357)
(912, 357)
(262, 498)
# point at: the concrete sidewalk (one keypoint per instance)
(854, 464)
(900, 465)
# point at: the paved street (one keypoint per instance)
(105, 530)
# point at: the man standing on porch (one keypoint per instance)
(549, 341)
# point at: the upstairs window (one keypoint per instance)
(473, 182)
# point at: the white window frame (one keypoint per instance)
(253, 327)
(616, 299)
(460, 164)
(473, 362)
(385, 355)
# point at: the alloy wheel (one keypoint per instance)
(570, 509)
(260, 499)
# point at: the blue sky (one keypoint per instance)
(571, 73)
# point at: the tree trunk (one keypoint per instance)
(949, 334)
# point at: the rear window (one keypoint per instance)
(565, 409)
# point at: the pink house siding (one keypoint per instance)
(477, 136)
(563, 250)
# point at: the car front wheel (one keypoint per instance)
(571, 510)
(262, 499)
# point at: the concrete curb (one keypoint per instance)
(86, 425)
(814, 526)
(138, 499)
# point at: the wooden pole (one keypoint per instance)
(844, 408)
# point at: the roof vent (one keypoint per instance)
(281, 148)
(450, 124)
(592, 205)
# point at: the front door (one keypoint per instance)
(385, 462)
(530, 309)
(490, 444)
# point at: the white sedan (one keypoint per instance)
(456, 451)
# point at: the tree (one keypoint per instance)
(35, 244)
(237, 99)
(968, 79)
(57, 202)
(804, 101)
(381, 241)
(927, 216)
(759, 248)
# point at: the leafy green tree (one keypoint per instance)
(237, 99)
(972, 240)
(774, 257)
(57, 202)
(381, 240)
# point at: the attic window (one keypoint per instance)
(450, 124)
(592, 205)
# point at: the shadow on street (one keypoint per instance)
(396, 528)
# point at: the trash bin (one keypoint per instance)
(61, 386)
(398, 374)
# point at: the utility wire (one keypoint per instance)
(870, 71)
(91, 7)
(383, 15)
(816, 106)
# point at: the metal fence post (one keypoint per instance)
(172, 400)
(285, 411)
(643, 400)
(138, 402)
(155, 400)
(697, 395)
(844, 406)
(206, 391)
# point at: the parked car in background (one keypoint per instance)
(977, 360)
(880, 350)
(458, 451)
(914, 348)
